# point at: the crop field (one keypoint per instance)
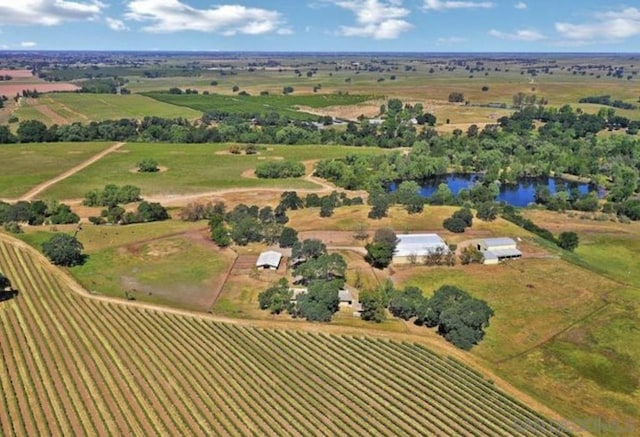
(237, 104)
(66, 373)
(27, 165)
(77, 107)
(192, 168)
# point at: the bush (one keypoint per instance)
(568, 241)
(148, 165)
(279, 169)
(487, 211)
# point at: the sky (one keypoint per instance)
(322, 25)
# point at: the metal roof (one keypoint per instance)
(503, 253)
(345, 296)
(269, 258)
(419, 244)
(491, 242)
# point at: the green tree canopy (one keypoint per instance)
(64, 250)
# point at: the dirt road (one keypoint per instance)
(43, 186)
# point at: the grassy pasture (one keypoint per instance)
(191, 168)
(27, 165)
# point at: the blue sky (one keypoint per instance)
(322, 25)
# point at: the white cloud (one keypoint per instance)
(440, 5)
(608, 26)
(520, 5)
(449, 40)
(28, 44)
(378, 19)
(519, 35)
(48, 12)
(166, 16)
(116, 25)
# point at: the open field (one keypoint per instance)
(66, 372)
(192, 168)
(80, 107)
(285, 105)
(27, 165)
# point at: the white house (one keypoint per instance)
(413, 247)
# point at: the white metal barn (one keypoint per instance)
(413, 247)
(269, 260)
(498, 249)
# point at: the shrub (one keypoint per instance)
(279, 169)
(64, 250)
(148, 165)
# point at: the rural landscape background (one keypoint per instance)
(142, 189)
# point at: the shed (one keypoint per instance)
(269, 260)
(498, 249)
(413, 247)
(346, 298)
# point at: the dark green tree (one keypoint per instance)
(276, 298)
(291, 200)
(568, 241)
(320, 302)
(455, 225)
(380, 250)
(308, 249)
(288, 237)
(405, 303)
(487, 211)
(32, 131)
(64, 250)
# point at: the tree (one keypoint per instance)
(288, 238)
(471, 255)
(220, 235)
(463, 323)
(325, 268)
(456, 97)
(148, 165)
(309, 248)
(374, 305)
(326, 207)
(380, 250)
(32, 131)
(320, 302)
(291, 200)
(455, 225)
(379, 206)
(276, 298)
(465, 215)
(568, 241)
(487, 211)
(405, 303)
(152, 212)
(64, 250)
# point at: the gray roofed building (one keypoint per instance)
(498, 249)
(411, 246)
(269, 260)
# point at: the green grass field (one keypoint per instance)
(284, 105)
(77, 107)
(27, 165)
(191, 168)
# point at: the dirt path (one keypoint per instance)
(43, 186)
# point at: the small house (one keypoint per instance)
(269, 260)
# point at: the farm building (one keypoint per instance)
(498, 249)
(413, 247)
(269, 260)
(345, 296)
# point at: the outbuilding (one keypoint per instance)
(269, 260)
(412, 248)
(496, 250)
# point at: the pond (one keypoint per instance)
(520, 194)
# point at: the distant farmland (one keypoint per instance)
(236, 104)
(76, 366)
